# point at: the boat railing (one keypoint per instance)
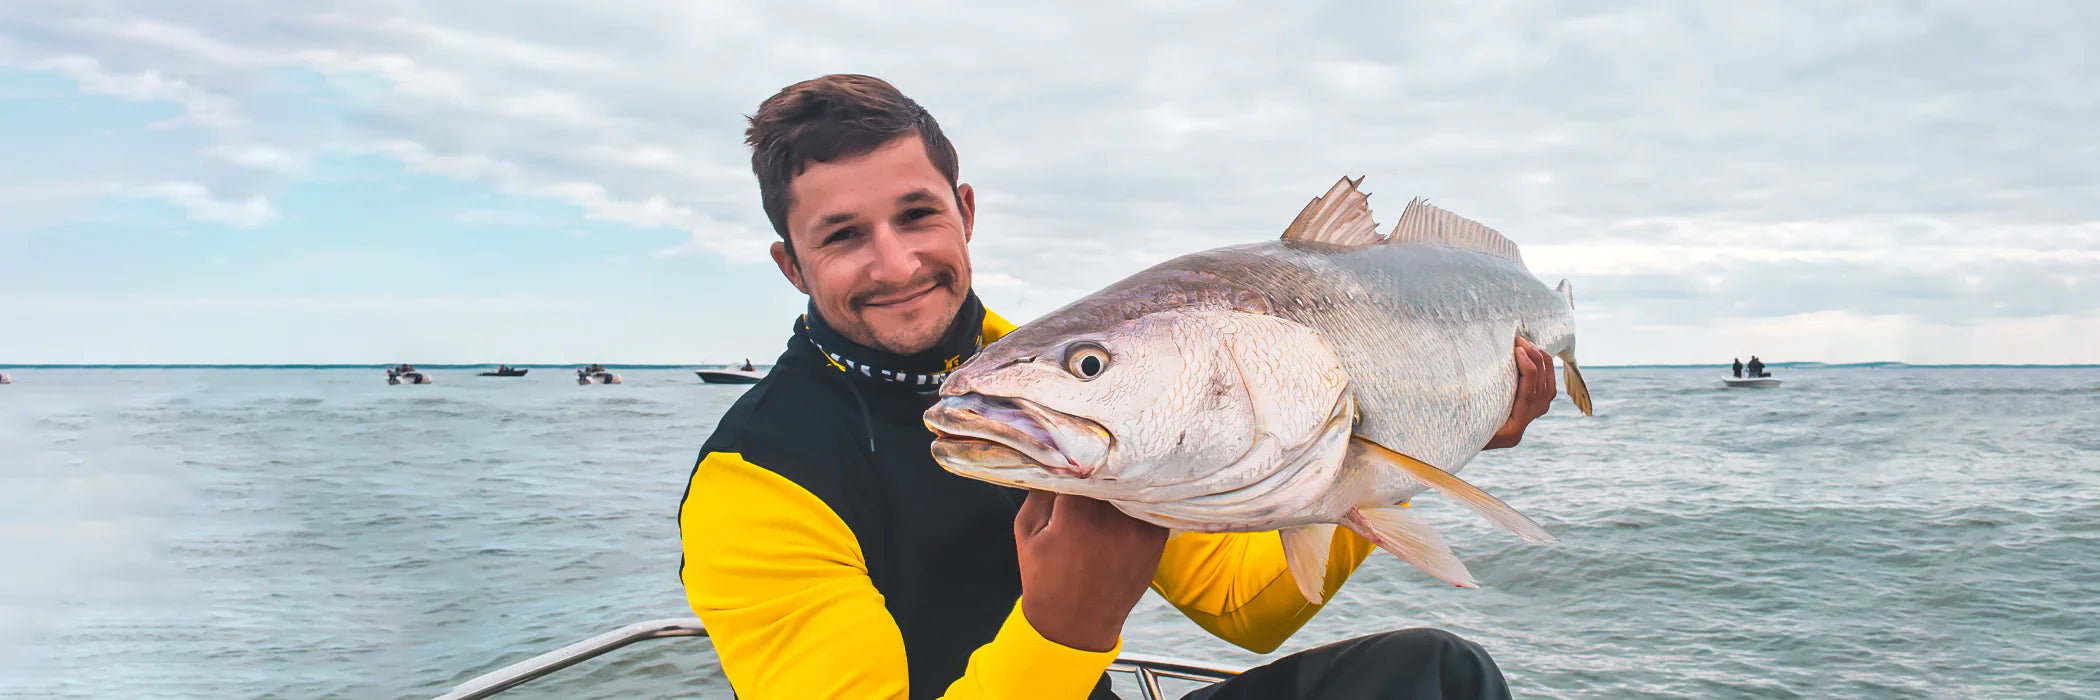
(1148, 669)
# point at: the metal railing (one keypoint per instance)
(1147, 668)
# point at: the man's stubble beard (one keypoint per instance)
(945, 279)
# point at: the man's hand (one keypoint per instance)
(1084, 565)
(1535, 390)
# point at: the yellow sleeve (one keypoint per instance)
(783, 588)
(1238, 587)
(995, 326)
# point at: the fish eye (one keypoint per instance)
(1086, 360)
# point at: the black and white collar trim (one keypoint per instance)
(847, 365)
(926, 371)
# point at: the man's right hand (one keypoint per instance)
(1084, 565)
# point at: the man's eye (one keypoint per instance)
(840, 235)
(917, 214)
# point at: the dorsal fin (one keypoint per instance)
(1342, 217)
(1423, 223)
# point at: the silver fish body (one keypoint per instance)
(1424, 332)
(1323, 379)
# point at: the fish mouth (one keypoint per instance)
(995, 433)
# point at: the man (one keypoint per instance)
(1757, 367)
(1739, 368)
(830, 556)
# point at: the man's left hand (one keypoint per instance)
(1535, 390)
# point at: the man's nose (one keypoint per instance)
(895, 261)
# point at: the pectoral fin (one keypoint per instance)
(1448, 484)
(1305, 550)
(1399, 530)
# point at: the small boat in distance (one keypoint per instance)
(596, 374)
(405, 374)
(1750, 376)
(4, 379)
(745, 374)
(506, 371)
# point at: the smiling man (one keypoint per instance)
(831, 557)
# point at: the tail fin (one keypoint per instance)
(1572, 376)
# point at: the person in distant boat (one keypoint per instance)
(747, 366)
(1757, 367)
(830, 556)
(1739, 368)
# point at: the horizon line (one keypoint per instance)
(703, 365)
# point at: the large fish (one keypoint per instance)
(1318, 380)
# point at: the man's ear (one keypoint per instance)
(785, 258)
(966, 200)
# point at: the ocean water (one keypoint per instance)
(1929, 533)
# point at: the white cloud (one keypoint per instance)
(729, 239)
(403, 305)
(201, 205)
(1668, 157)
(483, 46)
(1840, 336)
(252, 156)
(203, 107)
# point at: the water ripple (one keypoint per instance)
(1856, 533)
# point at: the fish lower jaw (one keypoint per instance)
(1013, 424)
(993, 454)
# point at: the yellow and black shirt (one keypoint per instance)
(831, 557)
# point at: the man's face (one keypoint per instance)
(881, 245)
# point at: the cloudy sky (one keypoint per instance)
(565, 182)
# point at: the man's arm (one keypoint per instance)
(783, 588)
(1238, 586)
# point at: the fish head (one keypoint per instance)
(1125, 406)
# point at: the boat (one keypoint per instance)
(1750, 376)
(506, 371)
(405, 374)
(1146, 670)
(4, 379)
(745, 374)
(730, 375)
(596, 374)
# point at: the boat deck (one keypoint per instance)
(1148, 671)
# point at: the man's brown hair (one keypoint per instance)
(824, 119)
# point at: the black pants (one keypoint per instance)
(1411, 663)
